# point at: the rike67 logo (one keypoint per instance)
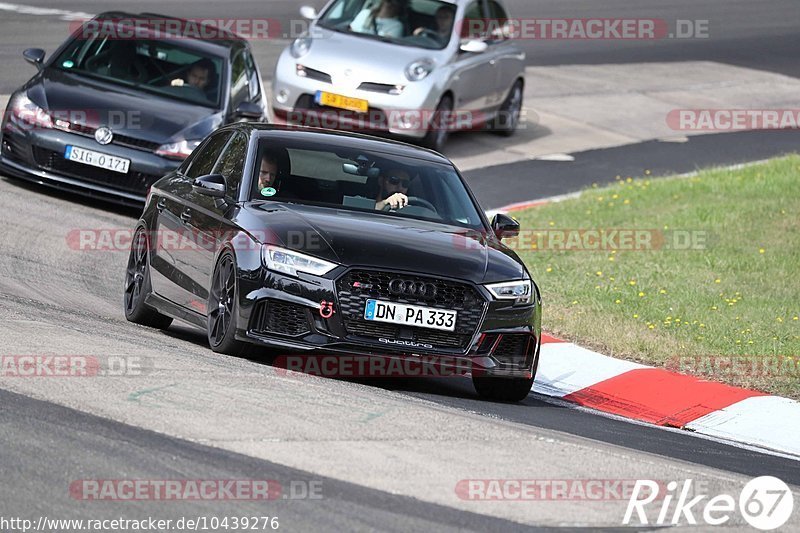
(765, 503)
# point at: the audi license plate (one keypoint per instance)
(410, 315)
(97, 159)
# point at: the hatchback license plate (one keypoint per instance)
(410, 315)
(341, 102)
(97, 159)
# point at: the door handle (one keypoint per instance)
(161, 204)
(186, 216)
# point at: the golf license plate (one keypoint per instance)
(97, 159)
(341, 102)
(410, 315)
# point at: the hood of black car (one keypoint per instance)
(126, 110)
(382, 241)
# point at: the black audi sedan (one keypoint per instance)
(123, 101)
(317, 241)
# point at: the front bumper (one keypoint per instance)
(493, 337)
(38, 155)
(406, 115)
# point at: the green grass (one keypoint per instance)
(739, 295)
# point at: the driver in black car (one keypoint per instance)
(393, 189)
(199, 74)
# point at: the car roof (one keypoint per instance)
(342, 138)
(218, 46)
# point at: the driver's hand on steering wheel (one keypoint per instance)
(396, 201)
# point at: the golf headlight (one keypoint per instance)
(419, 70)
(291, 262)
(178, 150)
(27, 114)
(300, 47)
(519, 291)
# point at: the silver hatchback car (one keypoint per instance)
(417, 69)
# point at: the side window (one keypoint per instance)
(231, 164)
(499, 18)
(207, 155)
(240, 85)
(496, 12)
(474, 22)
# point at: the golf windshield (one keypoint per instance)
(158, 66)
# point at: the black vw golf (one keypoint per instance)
(339, 243)
(123, 101)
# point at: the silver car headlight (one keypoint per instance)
(300, 47)
(419, 70)
(520, 291)
(291, 262)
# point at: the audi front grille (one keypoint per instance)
(355, 287)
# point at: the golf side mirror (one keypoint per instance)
(34, 56)
(248, 111)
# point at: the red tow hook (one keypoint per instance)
(326, 309)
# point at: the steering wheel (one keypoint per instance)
(416, 201)
(429, 33)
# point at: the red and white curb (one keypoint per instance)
(661, 397)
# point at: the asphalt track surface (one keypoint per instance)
(501, 185)
(200, 416)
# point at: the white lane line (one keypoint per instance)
(44, 11)
(566, 158)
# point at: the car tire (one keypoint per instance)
(502, 389)
(137, 285)
(223, 306)
(439, 128)
(507, 121)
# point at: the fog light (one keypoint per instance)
(283, 96)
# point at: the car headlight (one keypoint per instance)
(28, 115)
(519, 291)
(419, 70)
(300, 47)
(291, 262)
(177, 150)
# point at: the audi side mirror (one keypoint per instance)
(211, 185)
(504, 226)
(34, 56)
